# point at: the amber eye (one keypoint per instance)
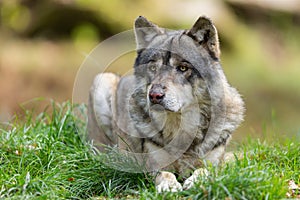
(153, 68)
(182, 68)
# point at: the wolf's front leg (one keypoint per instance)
(190, 182)
(166, 182)
(214, 157)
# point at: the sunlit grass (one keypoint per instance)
(47, 157)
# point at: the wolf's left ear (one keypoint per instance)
(205, 34)
(145, 31)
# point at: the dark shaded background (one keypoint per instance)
(44, 42)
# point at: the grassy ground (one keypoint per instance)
(46, 157)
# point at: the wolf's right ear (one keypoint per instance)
(205, 34)
(145, 31)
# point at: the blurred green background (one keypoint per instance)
(44, 42)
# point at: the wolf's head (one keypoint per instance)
(172, 66)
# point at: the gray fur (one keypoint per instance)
(197, 111)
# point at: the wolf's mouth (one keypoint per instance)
(162, 108)
(157, 107)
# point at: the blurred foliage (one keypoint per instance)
(15, 16)
(43, 43)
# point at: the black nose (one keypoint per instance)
(156, 93)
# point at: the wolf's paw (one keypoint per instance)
(198, 173)
(166, 182)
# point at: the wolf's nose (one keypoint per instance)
(156, 97)
(156, 94)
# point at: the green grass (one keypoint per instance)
(47, 157)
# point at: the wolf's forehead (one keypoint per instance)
(175, 43)
(165, 47)
(163, 54)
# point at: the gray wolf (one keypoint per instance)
(176, 112)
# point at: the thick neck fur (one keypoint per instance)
(184, 128)
(169, 125)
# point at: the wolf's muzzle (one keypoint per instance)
(156, 93)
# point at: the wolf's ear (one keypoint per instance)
(145, 31)
(205, 34)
